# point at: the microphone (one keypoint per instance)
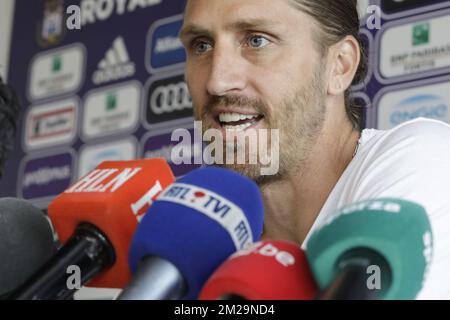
(95, 218)
(268, 270)
(26, 242)
(375, 249)
(9, 112)
(193, 226)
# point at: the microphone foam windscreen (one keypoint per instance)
(268, 270)
(394, 234)
(26, 242)
(198, 222)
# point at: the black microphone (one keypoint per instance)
(9, 112)
(26, 243)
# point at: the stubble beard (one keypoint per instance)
(299, 123)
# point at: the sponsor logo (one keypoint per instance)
(425, 101)
(111, 111)
(56, 73)
(95, 11)
(51, 28)
(45, 177)
(160, 146)
(421, 34)
(408, 51)
(115, 65)
(52, 124)
(92, 156)
(215, 207)
(167, 100)
(56, 64)
(421, 106)
(398, 6)
(164, 48)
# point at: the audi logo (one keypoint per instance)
(169, 98)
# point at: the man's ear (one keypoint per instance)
(345, 56)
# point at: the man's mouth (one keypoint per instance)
(238, 121)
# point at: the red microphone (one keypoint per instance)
(268, 270)
(96, 218)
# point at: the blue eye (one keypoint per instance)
(257, 41)
(201, 47)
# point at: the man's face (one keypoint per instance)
(253, 65)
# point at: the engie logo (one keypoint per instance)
(215, 207)
(167, 100)
(46, 176)
(164, 48)
(419, 106)
(51, 125)
(115, 65)
(430, 101)
(161, 145)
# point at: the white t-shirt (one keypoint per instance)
(411, 162)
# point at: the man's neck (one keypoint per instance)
(293, 203)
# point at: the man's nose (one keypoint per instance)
(227, 72)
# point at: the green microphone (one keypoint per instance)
(375, 249)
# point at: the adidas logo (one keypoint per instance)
(116, 65)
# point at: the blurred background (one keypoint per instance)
(115, 90)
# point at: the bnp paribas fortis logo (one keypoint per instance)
(56, 63)
(421, 34)
(111, 101)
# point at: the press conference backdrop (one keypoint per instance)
(115, 89)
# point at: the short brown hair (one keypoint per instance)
(337, 19)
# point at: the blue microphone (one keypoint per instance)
(192, 227)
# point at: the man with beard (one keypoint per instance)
(288, 65)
